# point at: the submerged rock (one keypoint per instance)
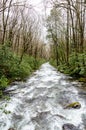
(11, 129)
(69, 127)
(75, 105)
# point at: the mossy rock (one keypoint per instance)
(75, 105)
(82, 80)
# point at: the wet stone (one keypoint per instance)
(11, 129)
(75, 105)
(69, 127)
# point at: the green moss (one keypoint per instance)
(1, 93)
(3, 82)
(6, 112)
(82, 80)
(73, 105)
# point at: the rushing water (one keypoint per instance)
(38, 104)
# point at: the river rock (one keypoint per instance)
(11, 129)
(75, 105)
(69, 126)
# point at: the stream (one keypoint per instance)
(38, 103)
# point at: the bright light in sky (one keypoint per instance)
(38, 5)
(41, 11)
(34, 2)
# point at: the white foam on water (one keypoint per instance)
(39, 98)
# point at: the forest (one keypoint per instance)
(22, 49)
(66, 27)
(42, 64)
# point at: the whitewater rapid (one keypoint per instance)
(38, 103)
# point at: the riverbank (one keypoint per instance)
(44, 102)
(12, 70)
(76, 70)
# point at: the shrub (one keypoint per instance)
(3, 82)
(11, 69)
(76, 66)
(1, 94)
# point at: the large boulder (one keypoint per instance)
(75, 105)
(69, 126)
